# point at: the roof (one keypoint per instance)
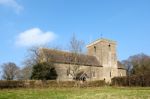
(120, 65)
(58, 56)
(101, 40)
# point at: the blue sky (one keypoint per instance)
(53, 22)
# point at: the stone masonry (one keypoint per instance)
(101, 62)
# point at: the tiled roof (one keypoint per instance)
(58, 56)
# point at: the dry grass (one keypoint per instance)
(77, 93)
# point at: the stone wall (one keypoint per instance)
(121, 72)
(105, 52)
(93, 72)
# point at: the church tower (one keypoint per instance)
(105, 52)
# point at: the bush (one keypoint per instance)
(135, 80)
(49, 83)
(96, 83)
(119, 81)
(11, 84)
(44, 71)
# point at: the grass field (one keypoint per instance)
(77, 93)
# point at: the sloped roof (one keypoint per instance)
(68, 57)
(120, 65)
(58, 56)
(101, 40)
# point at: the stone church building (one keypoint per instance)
(100, 62)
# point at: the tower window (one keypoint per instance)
(110, 74)
(95, 49)
(109, 47)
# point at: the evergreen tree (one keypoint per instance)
(44, 71)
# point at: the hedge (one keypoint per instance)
(135, 80)
(48, 83)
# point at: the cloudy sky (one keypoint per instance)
(27, 23)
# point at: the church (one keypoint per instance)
(100, 62)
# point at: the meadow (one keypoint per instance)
(77, 93)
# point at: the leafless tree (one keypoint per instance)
(76, 47)
(141, 64)
(35, 55)
(10, 71)
(138, 64)
(25, 73)
(32, 58)
(128, 65)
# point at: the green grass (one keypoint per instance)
(77, 93)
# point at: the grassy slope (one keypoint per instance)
(76, 93)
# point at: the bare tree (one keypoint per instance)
(141, 64)
(138, 64)
(32, 58)
(10, 71)
(26, 72)
(128, 65)
(35, 56)
(76, 47)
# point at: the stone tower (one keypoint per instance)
(105, 52)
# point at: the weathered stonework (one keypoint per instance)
(105, 52)
(101, 62)
(94, 72)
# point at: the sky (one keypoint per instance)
(27, 23)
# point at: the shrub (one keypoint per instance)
(96, 83)
(134, 80)
(44, 71)
(11, 84)
(49, 83)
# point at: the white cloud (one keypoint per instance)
(12, 4)
(33, 37)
